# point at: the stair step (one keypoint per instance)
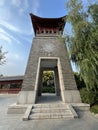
(35, 116)
(50, 106)
(50, 110)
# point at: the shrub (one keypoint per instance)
(94, 108)
(89, 97)
(79, 81)
(46, 89)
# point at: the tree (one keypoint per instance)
(93, 10)
(48, 78)
(2, 56)
(48, 82)
(83, 44)
(80, 83)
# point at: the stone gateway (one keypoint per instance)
(48, 52)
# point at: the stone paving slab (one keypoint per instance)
(86, 120)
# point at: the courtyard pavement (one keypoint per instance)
(86, 120)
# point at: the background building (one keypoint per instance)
(10, 84)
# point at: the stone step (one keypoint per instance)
(38, 116)
(50, 110)
(59, 105)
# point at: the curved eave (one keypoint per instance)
(47, 22)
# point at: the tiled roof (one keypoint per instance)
(47, 22)
(7, 78)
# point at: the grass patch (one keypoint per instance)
(94, 109)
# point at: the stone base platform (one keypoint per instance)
(48, 111)
(17, 109)
(81, 106)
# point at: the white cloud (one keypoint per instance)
(5, 13)
(19, 29)
(17, 3)
(2, 2)
(24, 7)
(35, 6)
(13, 68)
(5, 38)
(8, 37)
(9, 26)
(17, 57)
(14, 58)
(15, 28)
(13, 65)
(12, 20)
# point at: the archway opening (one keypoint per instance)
(48, 89)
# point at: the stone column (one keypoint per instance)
(40, 83)
(57, 85)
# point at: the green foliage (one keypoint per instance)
(93, 10)
(79, 81)
(48, 78)
(90, 97)
(2, 56)
(84, 41)
(48, 82)
(94, 109)
(46, 89)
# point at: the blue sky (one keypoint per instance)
(16, 32)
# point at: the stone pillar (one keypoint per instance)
(57, 85)
(40, 83)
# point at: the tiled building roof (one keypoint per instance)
(8, 78)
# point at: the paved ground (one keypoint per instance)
(14, 122)
(49, 98)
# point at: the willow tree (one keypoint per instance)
(83, 43)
